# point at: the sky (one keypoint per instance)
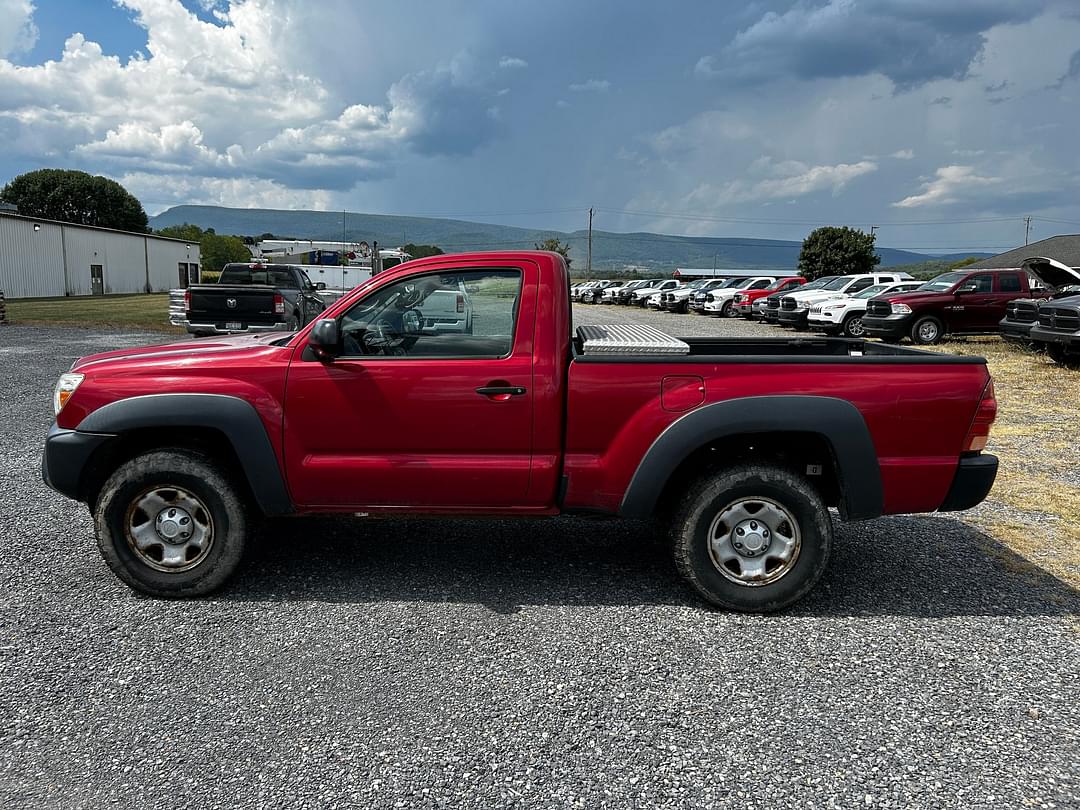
(944, 124)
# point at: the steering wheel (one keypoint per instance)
(380, 336)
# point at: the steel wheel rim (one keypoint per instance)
(928, 331)
(754, 541)
(169, 529)
(855, 327)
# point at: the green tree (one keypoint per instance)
(970, 260)
(216, 251)
(837, 251)
(420, 251)
(72, 196)
(555, 246)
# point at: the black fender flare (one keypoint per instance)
(235, 418)
(837, 421)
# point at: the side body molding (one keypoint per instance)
(236, 418)
(837, 421)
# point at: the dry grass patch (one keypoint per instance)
(1034, 507)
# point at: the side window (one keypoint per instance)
(860, 285)
(983, 284)
(1009, 283)
(458, 314)
(760, 285)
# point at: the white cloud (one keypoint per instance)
(513, 63)
(160, 191)
(17, 30)
(224, 100)
(592, 86)
(949, 184)
(903, 154)
(783, 181)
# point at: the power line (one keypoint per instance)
(764, 221)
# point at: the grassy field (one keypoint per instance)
(1034, 507)
(149, 312)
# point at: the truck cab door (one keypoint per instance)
(403, 416)
(974, 305)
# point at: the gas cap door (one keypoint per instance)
(680, 393)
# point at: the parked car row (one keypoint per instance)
(1038, 305)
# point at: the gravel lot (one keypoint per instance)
(561, 663)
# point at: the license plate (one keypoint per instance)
(233, 325)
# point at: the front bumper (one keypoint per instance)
(1040, 334)
(793, 317)
(67, 453)
(824, 323)
(214, 329)
(888, 326)
(1016, 331)
(974, 477)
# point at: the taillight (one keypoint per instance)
(460, 303)
(187, 300)
(279, 304)
(979, 431)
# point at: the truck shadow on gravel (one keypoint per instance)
(921, 567)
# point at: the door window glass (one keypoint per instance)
(982, 284)
(1009, 283)
(457, 314)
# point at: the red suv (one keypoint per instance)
(965, 302)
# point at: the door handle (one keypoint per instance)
(501, 391)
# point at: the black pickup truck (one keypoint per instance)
(253, 298)
(1046, 324)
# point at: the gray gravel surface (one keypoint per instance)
(558, 663)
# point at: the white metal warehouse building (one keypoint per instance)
(40, 258)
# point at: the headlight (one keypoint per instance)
(901, 309)
(65, 387)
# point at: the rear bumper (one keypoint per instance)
(214, 329)
(974, 477)
(67, 452)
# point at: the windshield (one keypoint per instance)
(870, 292)
(817, 285)
(729, 284)
(776, 285)
(943, 282)
(837, 283)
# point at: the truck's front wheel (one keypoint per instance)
(171, 523)
(752, 538)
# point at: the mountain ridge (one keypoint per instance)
(611, 250)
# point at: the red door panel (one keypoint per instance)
(400, 431)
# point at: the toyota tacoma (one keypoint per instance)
(739, 447)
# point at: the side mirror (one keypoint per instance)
(324, 338)
(320, 285)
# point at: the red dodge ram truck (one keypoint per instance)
(738, 447)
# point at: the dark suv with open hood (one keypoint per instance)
(1022, 314)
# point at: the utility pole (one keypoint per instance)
(588, 261)
(1027, 229)
(873, 230)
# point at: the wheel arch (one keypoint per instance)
(727, 432)
(226, 428)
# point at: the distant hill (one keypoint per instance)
(610, 250)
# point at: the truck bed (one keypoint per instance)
(917, 406)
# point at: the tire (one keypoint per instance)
(1060, 355)
(777, 491)
(131, 495)
(725, 309)
(853, 327)
(927, 331)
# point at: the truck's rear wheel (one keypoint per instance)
(752, 538)
(170, 523)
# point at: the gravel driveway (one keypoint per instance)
(556, 663)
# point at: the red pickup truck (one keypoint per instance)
(739, 447)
